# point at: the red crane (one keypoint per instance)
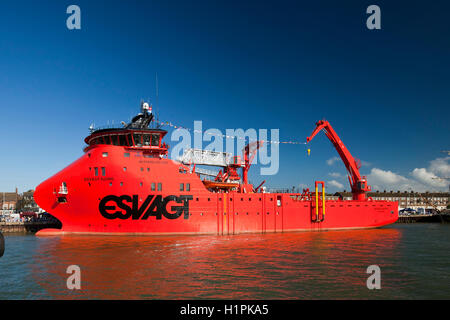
(249, 153)
(357, 182)
(230, 175)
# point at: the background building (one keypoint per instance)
(12, 204)
(8, 202)
(414, 200)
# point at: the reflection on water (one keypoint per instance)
(325, 265)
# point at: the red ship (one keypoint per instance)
(125, 184)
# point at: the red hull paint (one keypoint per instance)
(206, 212)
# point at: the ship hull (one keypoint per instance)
(127, 193)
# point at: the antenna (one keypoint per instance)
(156, 75)
(157, 100)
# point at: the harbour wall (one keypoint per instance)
(27, 227)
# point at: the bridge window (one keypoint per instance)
(159, 186)
(114, 140)
(96, 171)
(129, 140)
(155, 140)
(146, 140)
(122, 140)
(137, 140)
(153, 186)
(181, 186)
(188, 187)
(103, 171)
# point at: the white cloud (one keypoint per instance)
(336, 184)
(427, 177)
(335, 174)
(422, 179)
(386, 177)
(440, 167)
(388, 180)
(331, 161)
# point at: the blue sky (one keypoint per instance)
(232, 64)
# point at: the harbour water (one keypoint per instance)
(414, 260)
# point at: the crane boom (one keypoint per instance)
(357, 182)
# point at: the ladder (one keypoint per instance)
(318, 207)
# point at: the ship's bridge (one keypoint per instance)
(135, 135)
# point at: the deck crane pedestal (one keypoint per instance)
(357, 182)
